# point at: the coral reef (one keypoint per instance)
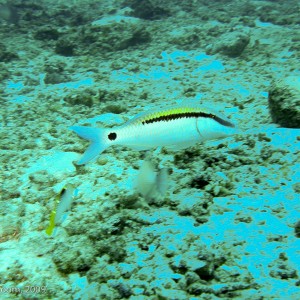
(284, 102)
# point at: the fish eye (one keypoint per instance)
(112, 136)
(63, 191)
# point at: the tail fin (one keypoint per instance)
(98, 142)
(162, 181)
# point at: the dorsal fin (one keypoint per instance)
(177, 112)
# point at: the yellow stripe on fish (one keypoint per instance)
(175, 127)
(182, 112)
(50, 228)
(170, 114)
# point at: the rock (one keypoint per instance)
(107, 36)
(74, 255)
(281, 268)
(187, 38)
(231, 44)
(65, 46)
(46, 33)
(55, 72)
(84, 97)
(284, 102)
(6, 55)
(123, 288)
(9, 12)
(10, 228)
(277, 12)
(4, 72)
(148, 9)
(297, 229)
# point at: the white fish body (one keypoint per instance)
(152, 182)
(63, 203)
(175, 127)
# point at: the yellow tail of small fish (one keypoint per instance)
(50, 228)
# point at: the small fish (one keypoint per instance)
(151, 182)
(175, 127)
(63, 203)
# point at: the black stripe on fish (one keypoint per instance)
(176, 116)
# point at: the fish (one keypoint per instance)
(63, 202)
(174, 127)
(152, 182)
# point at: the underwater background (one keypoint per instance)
(228, 224)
